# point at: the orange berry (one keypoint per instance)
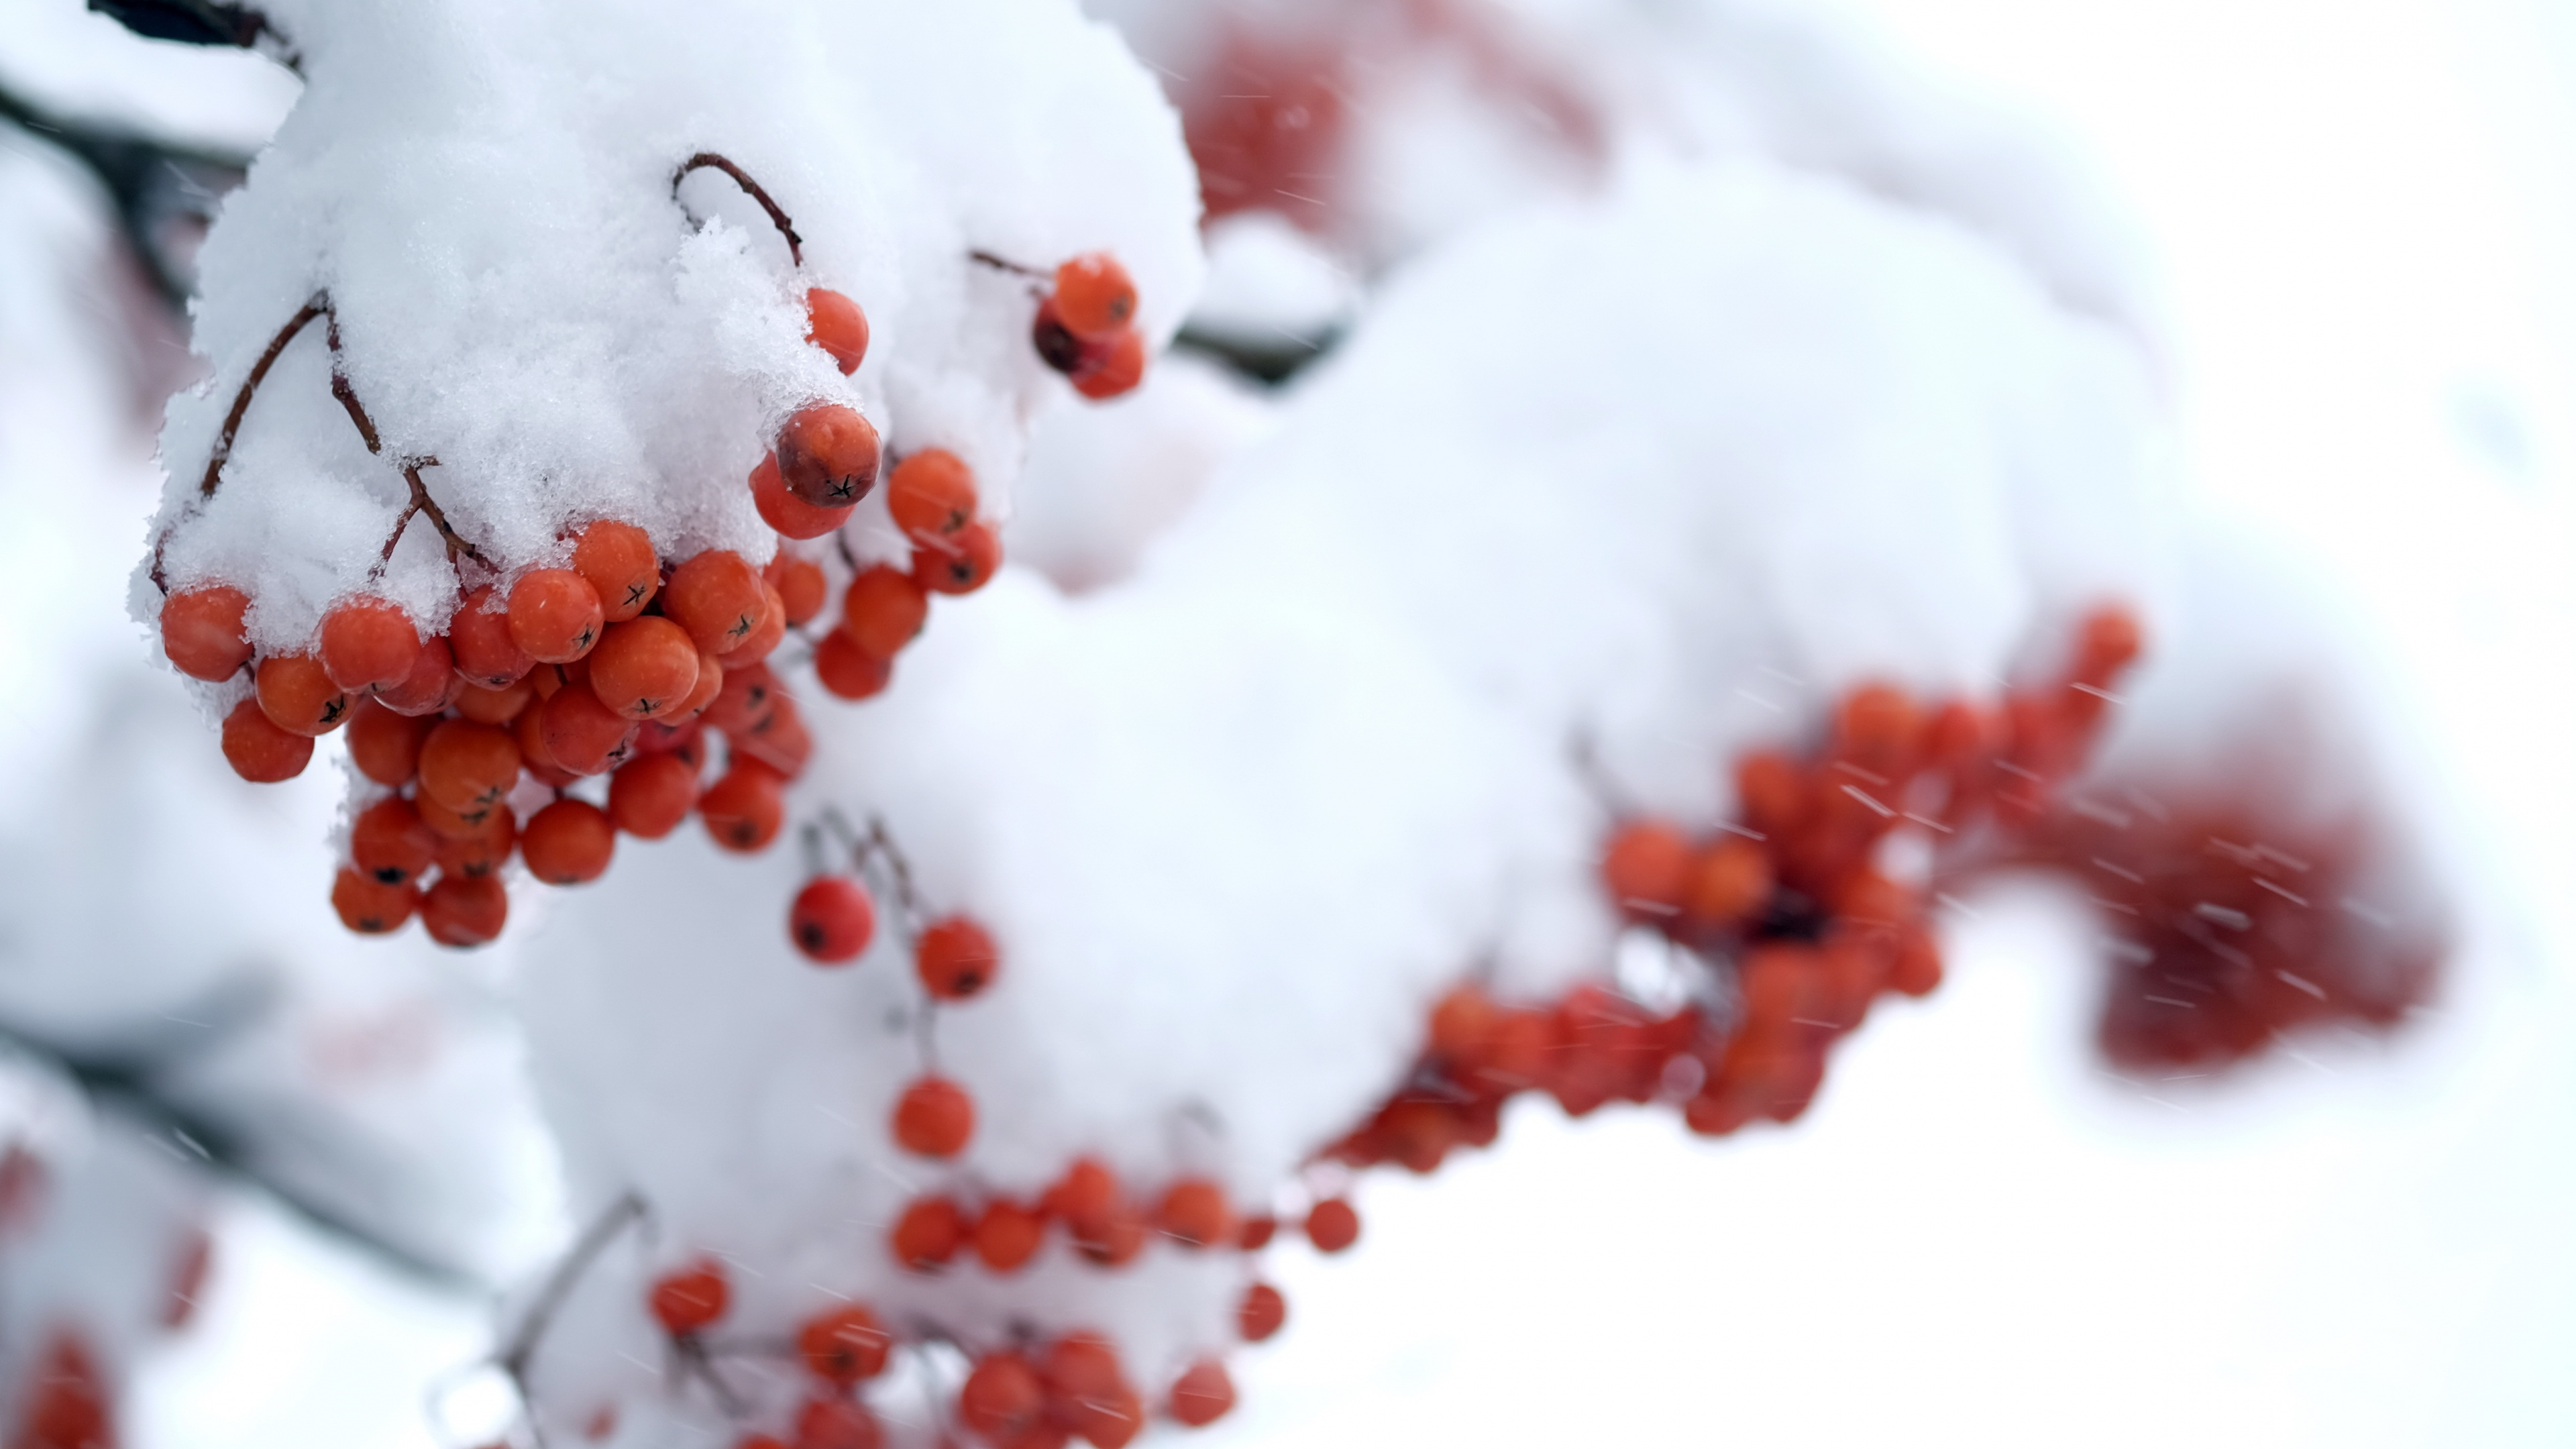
(832, 919)
(1008, 1235)
(837, 1424)
(748, 695)
(479, 633)
(764, 636)
(1002, 1399)
(1203, 1394)
(931, 494)
(455, 825)
(1094, 296)
(618, 562)
(555, 615)
(1730, 883)
(690, 1298)
(934, 1118)
(800, 585)
(464, 765)
(294, 691)
(644, 668)
(845, 1346)
(1647, 870)
(1115, 1238)
(847, 671)
(955, 958)
(1086, 1195)
(1195, 1214)
(1771, 793)
(1332, 1225)
(837, 325)
(711, 681)
(1262, 1313)
(827, 455)
(744, 808)
(367, 642)
(430, 686)
(960, 563)
(465, 911)
(385, 746)
(2108, 642)
(483, 706)
(1089, 1394)
(1916, 970)
(371, 907)
(928, 1234)
(1780, 984)
(1257, 1233)
(481, 851)
(717, 597)
(1112, 367)
(883, 610)
(1880, 728)
(786, 514)
(570, 842)
(648, 798)
(582, 736)
(202, 631)
(389, 842)
(1460, 1023)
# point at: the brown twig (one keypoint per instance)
(317, 306)
(777, 217)
(421, 502)
(1005, 264)
(521, 1350)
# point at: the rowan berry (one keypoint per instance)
(464, 765)
(1516, 1050)
(744, 808)
(1002, 1398)
(961, 563)
(711, 680)
(582, 736)
(847, 671)
(644, 668)
(555, 615)
(1007, 1235)
(1880, 728)
(452, 825)
(717, 597)
(479, 633)
(786, 514)
(777, 738)
(618, 562)
(1085, 1195)
(1088, 1392)
(481, 851)
(1203, 1394)
(1771, 792)
(800, 584)
(1779, 982)
(294, 691)
(1850, 971)
(391, 843)
(1094, 296)
(747, 696)
(2106, 644)
(367, 642)
(1262, 1313)
(1716, 1114)
(1195, 1214)
(202, 632)
(934, 1118)
(1114, 1238)
(1461, 1022)
(766, 632)
(569, 842)
(1916, 969)
(649, 797)
(928, 1234)
(1730, 883)
(465, 910)
(690, 1298)
(827, 455)
(371, 907)
(485, 706)
(837, 325)
(1647, 870)
(1332, 1225)
(845, 1346)
(883, 610)
(836, 1424)
(832, 919)
(529, 729)
(385, 746)
(955, 958)
(67, 1404)
(1257, 1233)
(1111, 368)
(1418, 1134)
(430, 686)
(931, 494)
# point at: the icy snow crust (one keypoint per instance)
(1238, 820)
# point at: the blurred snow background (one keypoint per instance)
(2355, 212)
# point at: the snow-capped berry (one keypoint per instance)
(464, 765)
(745, 807)
(391, 843)
(1094, 296)
(961, 563)
(1332, 1225)
(787, 514)
(465, 911)
(582, 735)
(569, 842)
(644, 668)
(431, 685)
(617, 560)
(367, 642)
(1647, 870)
(691, 1298)
(1195, 1214)
(931, 494)
(1203, 1394)
(718, 597)
(800, 585)
(1261, 1313)
(883, 610)
(955, 958)
(294, 691)
(385, 746)
(555, 615)
(479, 633)
(844, 1346)
(202, 633)
(1007, 1235)
(837, 325)
(371, 907)
(832, 919)
(649, 797)
(934, 1118)
(928, 1234)
(1112, 368)
(1002, 1399)
(827, 455)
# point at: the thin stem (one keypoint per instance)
(320, 304)
(777, 217)
(522, 1349)
(1005, 264)
(421, 502)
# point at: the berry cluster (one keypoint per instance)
(933, 500)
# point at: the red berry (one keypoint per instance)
(960, 563)
(649, 797)
(644, 668)
(1203, 1394)
(1647, 870)
(827, 455)
(429, 687)
(367, 642)
(847, 671)
(845, 1346)
(931, 494)
(1111, 368)
(744, 809)
(787, 514)
(1002, 1399)
(475, 853)
(371, 907)
(385, 746)
(1262, 1312)
(465, 910)
(836, 1424)
(1331, 1225)
(928, 1234)
(1085, 1196)
(1195, 1214)
(570, 842)
(717, 597)
(691, 1298)
(800, 585)
(582, 735)
(1730, 883)
(883, 610)
(1094, 296)
(837, 325)
(258, 750)
(617, 561)
(1087, 1390)
(391, 843)
(1008, 1235)
(832, 919)
(956, 958)
(711, 680)
(765, 634)
(934, 1118)
(1257, 1233)
(202, 631)
(479, 633)
(483, 706)
(294, 691)
(555, 615)
(464, 765)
